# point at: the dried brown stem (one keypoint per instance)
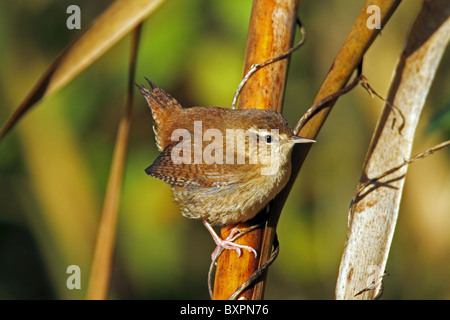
(258, 66)
(271, 33)
(106, 237)
(316, 107)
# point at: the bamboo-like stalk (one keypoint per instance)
(373, 215)
(106, 237)
(271, 32)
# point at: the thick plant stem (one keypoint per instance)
(271, 32)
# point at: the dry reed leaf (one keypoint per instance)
(373, 215)
(113, 24)
(106, 237)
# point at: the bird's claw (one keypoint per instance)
(230, 245)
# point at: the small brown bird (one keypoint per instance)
(223, 165)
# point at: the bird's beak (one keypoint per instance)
(297, 139)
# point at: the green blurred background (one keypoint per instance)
(54, 165)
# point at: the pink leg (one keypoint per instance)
(227, 243)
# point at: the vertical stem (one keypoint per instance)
(271, 32)
(104, 248)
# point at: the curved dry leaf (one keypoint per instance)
(374, 212)
(113, 24)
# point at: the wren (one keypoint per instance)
(224, 165)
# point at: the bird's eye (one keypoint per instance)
(269, 138)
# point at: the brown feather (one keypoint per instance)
(222, 192)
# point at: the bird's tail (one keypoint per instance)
(162, 106)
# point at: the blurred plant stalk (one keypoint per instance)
(107, 29)
(102, 263)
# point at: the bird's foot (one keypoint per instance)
(230, 245)
(227, 243)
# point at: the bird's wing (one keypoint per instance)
(167, 168)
